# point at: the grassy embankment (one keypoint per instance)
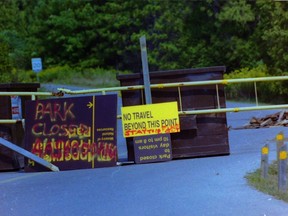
(96, 78)
(268, 185)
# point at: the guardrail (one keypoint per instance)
(196, 83)
(179, 85)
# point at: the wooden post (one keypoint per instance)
(264, 161)
(282, 165)
(147, 88)
(28, 154)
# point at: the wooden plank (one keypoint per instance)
(280, 116)
(28, 154)
(266, 122)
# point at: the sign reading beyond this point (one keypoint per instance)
(36, 64)
(150, 119)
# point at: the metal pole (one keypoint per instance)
(167, 85)
(145, 68)
(236, 109)
(217, 95)
(28, 154)
(256, 95)
(180, 99)
(27, 94)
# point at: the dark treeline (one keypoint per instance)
(180, 34)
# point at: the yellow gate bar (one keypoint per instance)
(28, 94)
(236, 109)
(181, 84)
(11, 121)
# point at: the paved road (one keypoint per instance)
(203, 186)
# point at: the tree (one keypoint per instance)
(5, 63)
(12, 33)
(273, 34)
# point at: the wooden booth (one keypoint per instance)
(200, 135)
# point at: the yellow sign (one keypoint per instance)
(150, 119)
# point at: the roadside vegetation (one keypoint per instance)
(268, 92)
(268, 185)
(88, 42)
(88, 77)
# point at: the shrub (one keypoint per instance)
(56, 73)
(89, 77)
(5, 63)
(268, 92)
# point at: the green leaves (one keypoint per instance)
(180, 34)
(275, 36)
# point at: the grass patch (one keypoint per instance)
(269, 185)
(89, 77)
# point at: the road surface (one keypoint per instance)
(199, 186)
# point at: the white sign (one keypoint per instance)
(36, 64)
(16, 108)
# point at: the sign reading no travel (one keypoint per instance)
(150, 119)
(36, 64)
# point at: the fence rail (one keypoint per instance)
(179, 85)
(219, 109)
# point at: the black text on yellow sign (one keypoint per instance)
(150, 119)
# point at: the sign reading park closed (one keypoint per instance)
(72, 133)
(150, 119)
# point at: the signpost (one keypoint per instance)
(145, 68)
(36, 64)
(150, 125)
(72, 133)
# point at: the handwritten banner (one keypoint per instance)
(150, 119)
(72, 133)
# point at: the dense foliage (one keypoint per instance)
(180, 34)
